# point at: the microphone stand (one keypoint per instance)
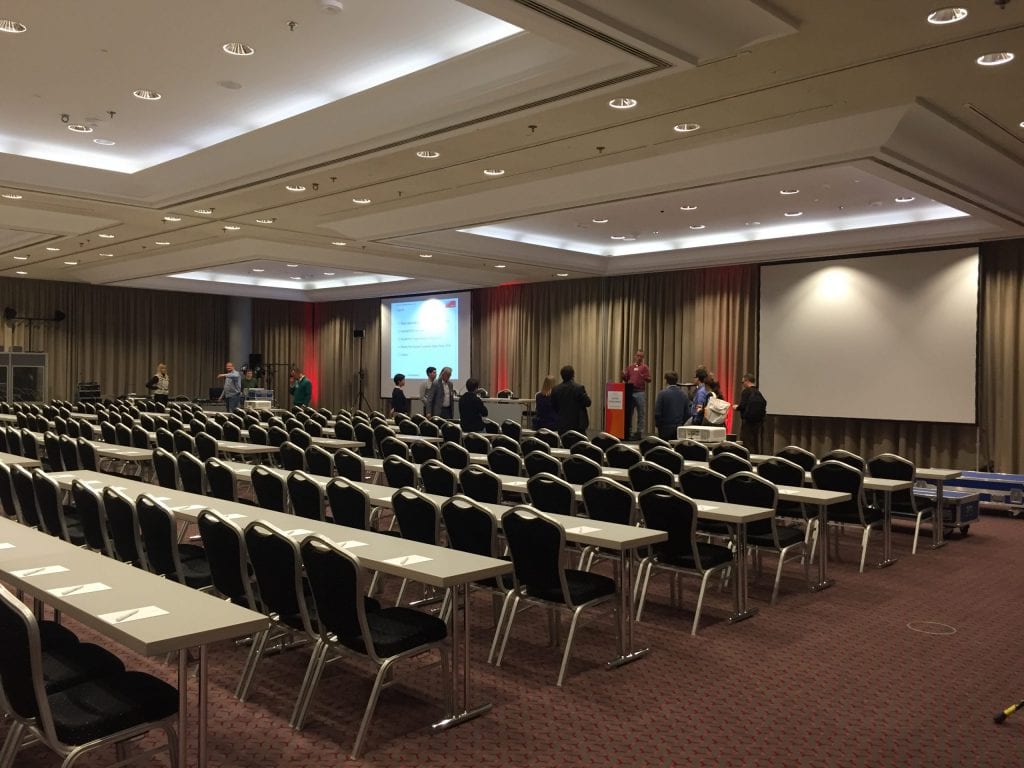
(362, 381)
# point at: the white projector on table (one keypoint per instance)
(708, 435)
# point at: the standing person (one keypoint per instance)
(160, 384)
(442, 395)
(399, 402)
(301, 388)
(570, 401)
(636, 376)
(471, 408)
(249, 381)
(232, 392)
(426, 390)
(671, 407)
(700, 397)
(752, 408)
(544, 416)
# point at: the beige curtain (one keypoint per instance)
(116, 336)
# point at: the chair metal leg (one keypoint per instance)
(309, 682)
(865, 538)
(508, 630)
(371, 705)
(501, 623)
(568, 644)
(172, 745)
(643, 590)
(778, 576)
(917, 532)
(11, 744)
(255, 653)
(401, 592)
(700, 602)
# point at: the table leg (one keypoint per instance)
(204, 701)
(887, 558)
(183, 707)
(823, 581)
(460, 711)
(939, 518)
(627, 609)
(739, 589)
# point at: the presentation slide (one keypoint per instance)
(422, 331)
(883, 337)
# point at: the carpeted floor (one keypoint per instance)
(837, 679)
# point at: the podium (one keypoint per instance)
(615, 408)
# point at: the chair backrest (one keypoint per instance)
(159, 537)
(702, 483)
(664, 456)
(21, 663)
(269, 488)
(21, 479)
(474, 442)
(480, 484)
(647, 474)
(53, 457)
(350, 504)
(799, 456)
(893, 467)
(408, 427)
(220, 480)
(504, 441)
(729, 464)
(258, 435)
(549, 493)
(542, 461)
(691, 450)
(69, 453)
(454, 455)
(343, 430)
(622, 456)
(109, 432)
(319, 461)
(277, 566)
(592, 451)
(727, 446)
(94, 518)
(365, 435)
(609, 501)
(277, 436)
(855, 461)
(124, 526)
(392, 446)
(184, 443)
(124, 435)
(165, 439)
(438, 478)
(292, 457)
(753, 490)
(530, 444)
(579, 469)
(7, 500)
(512, 429)
(502, 461)
(14, 444)
(305, 496)
(605, 440)
(451, 432)
(418, 517)
(140, 437)
(536, 543)
(470, 527)
(349, 464)
(650, 442)
(491, 427)
(781, 471)
(74, 428)
(87, 456)
(51, 513)
(313, 427)
(300, 437)
(571, 437)
(840, 476)
(429, 429)
(338, 585)
(423, 451)
(206, 446)
(549, 436)
(398, 472)
(166, 465)
(192, 473)
(665, 509)
(224, 543)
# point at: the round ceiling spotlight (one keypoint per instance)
(104, 142)
(622, 103)
(687, 207)
(172, 219)
(995, 59)
(361, 200)
(793, 214)
(686, 127)
(203, 211)
(947, 15)
(338, 242)
(494, 171)
(71, 263)
(904, 199)
(789, 191)
(162, 242)
(428, 154)
(600, 220)
(52, 248)
(331, 7)
(238, 49)
(106, 236)
(11, 26)
(295, 188)
(265, 221)
(147, 95)
(426, 255)
(698, 226)
(232, 227)
(79, 128)
(11, 196)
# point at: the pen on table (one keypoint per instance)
(125, 615)
(33, 571)
(71, 590)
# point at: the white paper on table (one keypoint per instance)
(133, 614)
(296, 532)
(6, 545)
(705, 507)
(408, 560)
(189, 508)
(43, 570)
(119, 488)
(79, 589)
(234, 516)
(350, 544)
(787, 491)
(582, 529)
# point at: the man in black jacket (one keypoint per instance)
(753, 408)
(570, 401)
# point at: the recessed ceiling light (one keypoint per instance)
(232, 227)
(163, 242)
(561, 274)
(1021, 125)
(789, 191)
(21, 258)
(622, 103)
(426, 255)
(329, 274)
(52, 248)
(106, 236)
(686, 127)
(21, 272)
(499, 266)
(265, 221)
(258, 269)
(600, 220)
(71, 263)
(904, 199)
(104, 142)
(291, 265)
(361, 200)
(687, 207)
(203, 211)
(295, 188)
(11, 196)
(238, 49)
(147, 95)
(698, 226)
(296, 277)
(428, 154)
(753, 223)
(172, 218)
(995, 59)
(79, 128)
(947, 15)
(793, 214)
(494, 171)
(106, 255)
(616, 237)
(338, 242)
(14, 27)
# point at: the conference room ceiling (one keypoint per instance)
(893, 135)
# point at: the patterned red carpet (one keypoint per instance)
(835, 679)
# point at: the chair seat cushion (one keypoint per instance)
(72, 664)
(54, 635)
(196, 573)
(396, 630)
(102, 707)
(787, 538)
(583, 587)
(191, 552)
(710, 556)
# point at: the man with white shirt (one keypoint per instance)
(442, 395)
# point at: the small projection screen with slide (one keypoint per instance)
(882, 337)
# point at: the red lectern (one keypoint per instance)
(615, 408)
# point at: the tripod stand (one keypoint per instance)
(361, 401)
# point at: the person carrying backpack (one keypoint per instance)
(753, 409)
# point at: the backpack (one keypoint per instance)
(715, 410)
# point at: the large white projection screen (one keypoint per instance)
(421, 331)
(883, 337)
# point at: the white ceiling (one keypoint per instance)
(854, 104)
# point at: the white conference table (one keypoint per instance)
(13, 459)
(436, 566)
(147, 614)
